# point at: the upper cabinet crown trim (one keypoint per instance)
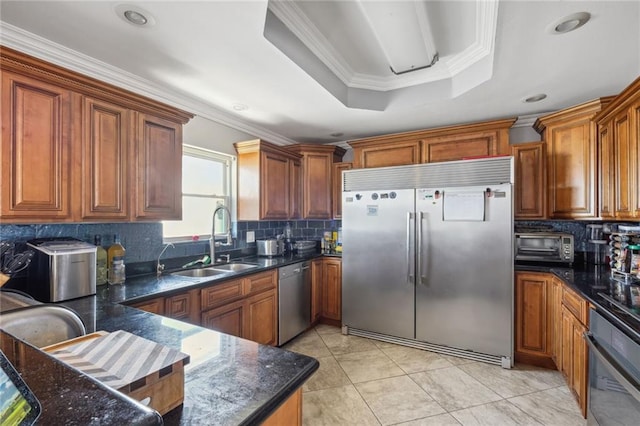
(437, 132)
(578, 111)
(12, 60)
(255, 145)
(628, 95)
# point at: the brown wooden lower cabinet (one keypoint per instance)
(316, 289)
(261, 324)
(227, 319)
(550, 322)
(289, 413)
(532, 334)
(245, 307)
(332, 289)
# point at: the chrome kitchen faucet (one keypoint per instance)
(212, 243)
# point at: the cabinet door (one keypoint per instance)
(624, 165)
(184, 306)
(158, 171)
(36, 150)
(451, 148)
(532, 328)
(607, 177)
(567, 345)
(317, 185)
(571, 169)
(227, 319)
(332, 289)
(338, 168)
(396, 153)
(316, 289)
(579, 372)
(295, 189)
(274, 186)
(529, 189)
(261, 321)
(635, 153)
(556, 322)
(105, 151)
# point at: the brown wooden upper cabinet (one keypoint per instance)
(433, 145)
(529, 190)
(571, 143)
(269, 181)
(75, 148)
(619, 132)
(317, 162)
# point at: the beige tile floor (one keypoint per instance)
(366, 382)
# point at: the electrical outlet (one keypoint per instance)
(251, 236)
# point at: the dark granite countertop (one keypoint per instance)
(594, 282)
(228, 381)
(149, 286)
(68, 397)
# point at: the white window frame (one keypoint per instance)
(229, 183)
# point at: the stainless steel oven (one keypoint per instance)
(614, 373)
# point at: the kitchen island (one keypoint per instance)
(228, 381)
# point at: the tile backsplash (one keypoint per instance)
(143, 241)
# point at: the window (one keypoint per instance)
(207, 182)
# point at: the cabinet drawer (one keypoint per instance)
(575, 304)
(220, 294)
(155, 306)
(260, 282)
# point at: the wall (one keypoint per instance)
(211, 135)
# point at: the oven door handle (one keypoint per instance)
(618, 373)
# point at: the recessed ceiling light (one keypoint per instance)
(336, 134)
(134, 15)
(535, 98)
(240, 107)
(569, 23)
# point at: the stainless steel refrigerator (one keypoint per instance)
(428, 257)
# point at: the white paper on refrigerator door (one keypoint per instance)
(463, 206)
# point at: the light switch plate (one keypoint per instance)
(251, 237)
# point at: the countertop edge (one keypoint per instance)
(279, 398)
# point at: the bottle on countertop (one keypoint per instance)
(101, 261)
(115, 257)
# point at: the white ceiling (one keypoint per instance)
(209, 56)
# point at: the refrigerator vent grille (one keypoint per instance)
(505, 361)
(486, 171)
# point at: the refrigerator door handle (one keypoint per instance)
(421, 276)
(420, 216)
(408, 247)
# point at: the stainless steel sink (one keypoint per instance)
(42, 325)
(234, 267)
(199, 273)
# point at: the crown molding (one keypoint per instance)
(527, 120)
(297, 21)
(47, 50)
(302, 27)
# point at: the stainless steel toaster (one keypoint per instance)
(270, 247)
(61, 269)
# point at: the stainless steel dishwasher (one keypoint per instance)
(294, 300)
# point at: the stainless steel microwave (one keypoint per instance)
(544, 247)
